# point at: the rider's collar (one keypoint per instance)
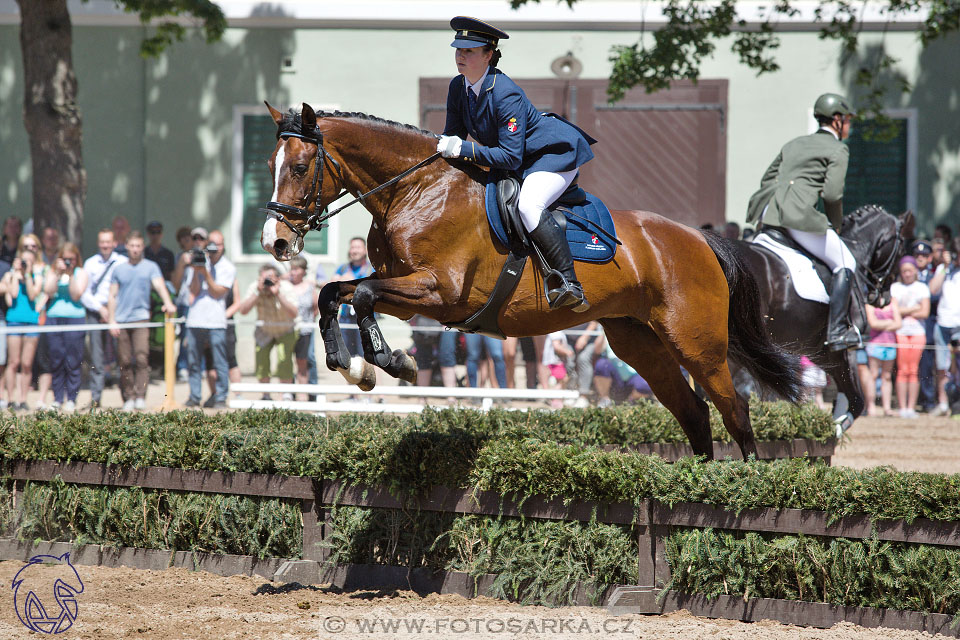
(830, 131)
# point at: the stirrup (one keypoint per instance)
(850, 339)
(566, 294)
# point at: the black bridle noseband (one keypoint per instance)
(277, 210)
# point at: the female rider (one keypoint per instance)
(809, 168)
(543, 149)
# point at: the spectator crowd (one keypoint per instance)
(907, 361)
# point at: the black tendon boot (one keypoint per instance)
(561, 284)
(840, 334)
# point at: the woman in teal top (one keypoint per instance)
(65, 283)
(21, 286)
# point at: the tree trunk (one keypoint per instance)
(52, 117)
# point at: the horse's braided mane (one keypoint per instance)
(291, 122)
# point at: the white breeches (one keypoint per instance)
(541, 189)
(826, 246)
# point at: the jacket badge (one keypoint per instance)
(512, 125)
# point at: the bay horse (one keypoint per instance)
(671, 297)
(877, 240)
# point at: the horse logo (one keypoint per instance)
(33, 580)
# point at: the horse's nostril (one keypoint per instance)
(280, 247)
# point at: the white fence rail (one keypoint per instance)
(371, 404)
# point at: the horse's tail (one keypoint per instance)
(750, 346)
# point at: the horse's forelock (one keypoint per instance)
(291, 123)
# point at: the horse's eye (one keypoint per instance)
(300, 169)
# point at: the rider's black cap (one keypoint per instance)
(922, 247)
(475, 33)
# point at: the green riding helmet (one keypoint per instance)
(831, 104)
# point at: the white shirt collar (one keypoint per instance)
(476, 86)
(830, 131)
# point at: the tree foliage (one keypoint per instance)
(694, 28)
(208, 14)
(51, 111)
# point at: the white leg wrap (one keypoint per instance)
(354, 374)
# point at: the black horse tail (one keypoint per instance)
(775, 369)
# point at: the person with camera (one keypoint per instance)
(277, 312)
(94, 299)
(190, 240)
(129, 303)
(207, 280)
(65, 284)
(22, 286)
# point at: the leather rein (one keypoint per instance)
(279, 211)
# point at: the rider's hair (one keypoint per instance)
(824, 121)
(496, 54)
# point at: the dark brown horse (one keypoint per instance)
(671, 297)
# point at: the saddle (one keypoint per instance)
(858, 314)
(585, 220)
(508, 196)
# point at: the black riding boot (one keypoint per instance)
(562, 287)
(840, 334)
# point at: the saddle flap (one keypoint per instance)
(508, 197)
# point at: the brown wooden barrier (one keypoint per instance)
(652, 520)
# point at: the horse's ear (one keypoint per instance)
(909, 222)
(277, 116)
(308, 117)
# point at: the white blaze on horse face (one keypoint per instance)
(268, 236)
(277, 167)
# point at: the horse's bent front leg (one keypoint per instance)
(408, 291)
(338, 358)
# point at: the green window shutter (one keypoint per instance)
(259, 140)
(877, 173)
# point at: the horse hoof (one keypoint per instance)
(368, 379)
(407, 366)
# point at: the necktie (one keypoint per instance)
(472, 102)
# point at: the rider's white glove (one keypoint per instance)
(449, 146)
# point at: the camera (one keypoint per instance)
(268, 282)
(198, 258)
(68, 262)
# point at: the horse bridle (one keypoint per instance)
(276, 210)
(876, 278)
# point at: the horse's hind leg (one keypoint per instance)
(338, 358)
(703, 354)
(639, 346)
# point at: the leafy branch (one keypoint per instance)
(693, 29)
(208, 14)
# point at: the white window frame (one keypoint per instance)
(236, 254)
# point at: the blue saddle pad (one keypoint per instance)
(586, 244)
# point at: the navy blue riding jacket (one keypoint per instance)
(511, 134)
